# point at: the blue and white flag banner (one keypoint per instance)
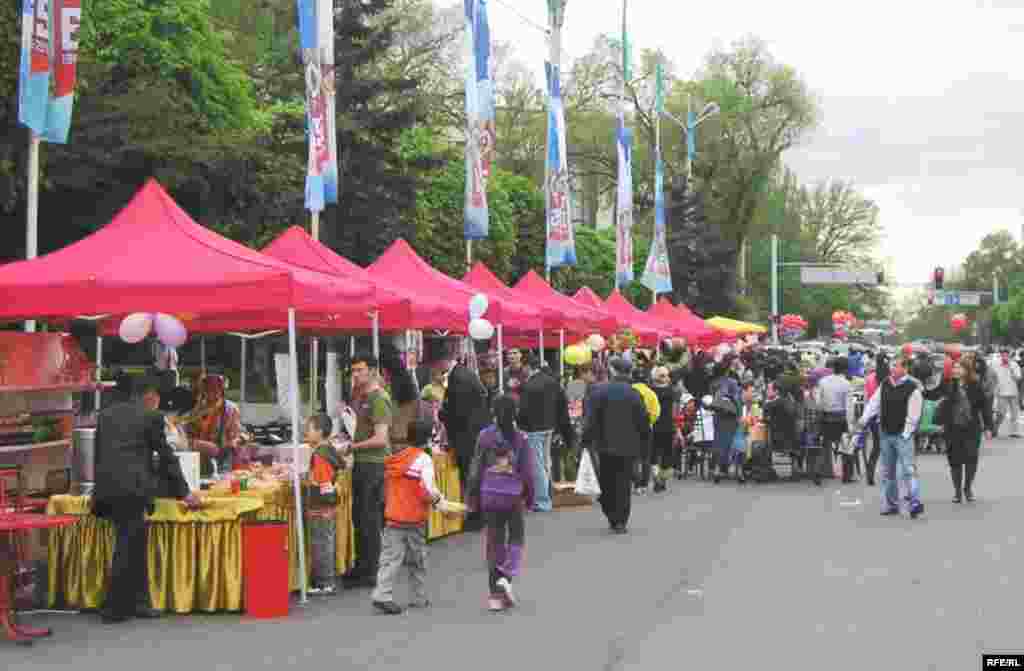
(624, 206)
(325, 39)
(65, 18)
(561, 244)
(316, 37)
(657, 274)
(34, 74)
(480, 133)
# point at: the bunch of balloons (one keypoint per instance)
(795, 322)
(479, 328)
(578, 354)
(842, 318)
(958, 322)
(169, 329)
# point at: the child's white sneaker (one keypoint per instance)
(505, 585)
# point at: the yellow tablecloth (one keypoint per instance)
(446, 474)
(194, 559)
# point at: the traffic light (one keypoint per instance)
(881, 277)
(939, 278)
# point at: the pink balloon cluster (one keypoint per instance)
(169, 329)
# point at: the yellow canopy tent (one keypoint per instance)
(736, 326)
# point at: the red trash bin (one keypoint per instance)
(265, 569)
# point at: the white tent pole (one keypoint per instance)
(314, 371)
(542, 347)
(99, 372)
(376, 336)
(300, 531)
(501, 362)
(561, 353)
(32, 209)
(241, 383)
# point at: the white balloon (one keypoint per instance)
(596, 342)
(478, 306)
(481, 329)
(135, 327)
(170, 330)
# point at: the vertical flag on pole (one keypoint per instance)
(561, 246)
(34, 75)
(624, 194)
(480, 134)
(325, 38)
(64, 18)
(316, 30)
(657, 275)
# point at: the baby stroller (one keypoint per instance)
(699, 454)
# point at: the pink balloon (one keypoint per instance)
(170, 330)
(135, 327)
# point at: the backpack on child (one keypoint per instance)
(501, 488)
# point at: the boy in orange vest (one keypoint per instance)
(409, 494)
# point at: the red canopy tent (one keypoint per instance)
(585, 319)
(482, 279)
(685, 323)
(401, 266)
(399, 308)
(152, 257)
(646, 327)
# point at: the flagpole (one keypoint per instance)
(32, 209)
(314, 346)
(657, 161)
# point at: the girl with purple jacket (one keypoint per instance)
(500, 486)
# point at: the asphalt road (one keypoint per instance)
(774, 576)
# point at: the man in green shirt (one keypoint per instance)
(370, 448)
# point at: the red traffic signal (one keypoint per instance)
(940, 276)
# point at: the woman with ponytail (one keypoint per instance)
(500, 485)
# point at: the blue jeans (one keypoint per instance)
(540, 443)
(897, 465)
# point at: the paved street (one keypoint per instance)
(783, 575)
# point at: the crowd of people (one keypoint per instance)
(645, 419)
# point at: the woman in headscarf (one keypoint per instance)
(216, 426)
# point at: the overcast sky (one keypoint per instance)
(923, 101)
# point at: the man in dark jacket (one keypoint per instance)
(134, 464)
(618, 429)
(543, 408)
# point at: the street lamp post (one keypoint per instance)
(690, 130)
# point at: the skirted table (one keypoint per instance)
(195, 557)
(446, 475)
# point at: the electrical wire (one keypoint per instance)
(525, 19)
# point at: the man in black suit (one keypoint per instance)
(618, 429)
(133, 463)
